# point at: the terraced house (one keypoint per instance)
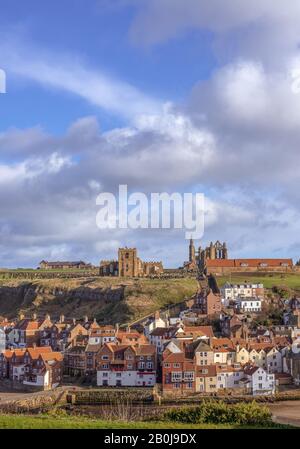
(62, 334)
(221, 365)
(126, 365)
(27, 331)
(38, 368)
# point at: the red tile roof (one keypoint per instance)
(206, 371)
(251, 370)
(52, 356)
(146, 350)
(235, 263)
(36, 352)
(217, 343)
(28, 325)
(202, 330)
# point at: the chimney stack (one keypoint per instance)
(34, 316)
(74, 321)
(86, 319)
(47, 316)
(61, 318)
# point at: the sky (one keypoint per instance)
(161, 95)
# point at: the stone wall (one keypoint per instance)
(108, 396)
(35, 403)
(40, 274)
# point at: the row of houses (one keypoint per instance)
(132, 359)
(27, 332)
(223, 364)
(185, 359)
(210, 303)
(182, 374)
(40, 368)
(232, 292)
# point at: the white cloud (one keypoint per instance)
(69, 73)
(49, 210)
(21, 143)
(246, 94)
(265, 28)
(236, 139)
(32, 168)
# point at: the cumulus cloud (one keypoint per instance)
(18, 143)
(49, 204)
(237, 26)
(254, 116)
(246, 95)
(235, 138)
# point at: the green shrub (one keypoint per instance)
(250, 413)
(218, 412)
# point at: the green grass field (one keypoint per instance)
(269, 280)
(50, 422)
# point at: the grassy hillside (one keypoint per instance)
(269, 280)
(110, 300)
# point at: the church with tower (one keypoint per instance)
(214, 260)
(198, 258)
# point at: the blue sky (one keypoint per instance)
(163, 95)
(99, 35)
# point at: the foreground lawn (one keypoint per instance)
(50, 422)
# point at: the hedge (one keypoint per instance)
(218, 412)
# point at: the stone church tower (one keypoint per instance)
(128, 262)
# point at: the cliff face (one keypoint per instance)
(109, 300)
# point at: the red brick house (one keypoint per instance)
(209, 303)
(91, 352)
(178, 370)
(126, 365)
